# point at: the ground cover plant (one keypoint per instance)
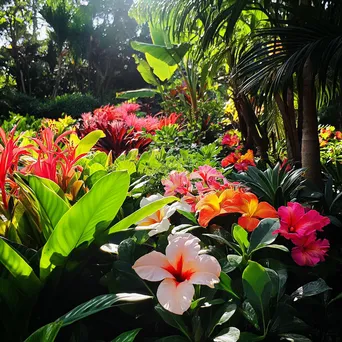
(171, 172)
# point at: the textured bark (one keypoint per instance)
(310, 143)
(287, 111)
(255, 139)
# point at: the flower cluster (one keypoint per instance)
(300, 226)
(178, 270)
(124, 130)
(231, 138)
(328, 133)
(210, 194)
(240, 161)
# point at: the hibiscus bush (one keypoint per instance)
(114, 230)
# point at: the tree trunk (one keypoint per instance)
(310, 144)
(254, 137)
(286, 108)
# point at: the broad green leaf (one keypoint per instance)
(126, 165)
(93, 212)
(53, 205)
(257, 286)
(47, 333)
(241, 237)
(175, 321)
(221, 315)
(99, 303)
(225, 284)
(127, 336)
(86, 144)
(310, 289)
(263, 233)
(250, 314)
(138, 93)
(141, 214)
(249, 337)
(228, 335)
(22, 272)
(170, 56)
(161, 69)
(146, 71)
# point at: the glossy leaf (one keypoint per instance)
(47, 333)
(311, 289)
(99, 303)
(228, 335)
(141, 214)
(53, 205)
(257, 286)
(263, 234)
(21, 271)
(87, 143)
(138, 93)
(225, 284)
(170, 56)
(94, 211)
(241, 236)
(221, 315)
(128, 336)
(173, 320)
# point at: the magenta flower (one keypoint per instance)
(308, 250)
(177, 183)
(296, 221)
(179, 269)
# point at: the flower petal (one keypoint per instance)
(182, 248)
(150, 199)
(152, 267)
(265, 210)
(206, 270)
(248, 223)
(175, 297)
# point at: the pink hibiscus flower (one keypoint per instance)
(177, 183)
(308, 250)
(178, 269)
(295, 220)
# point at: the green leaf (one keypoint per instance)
(294, 338)
(241, 237)
(86, 144)
(257, 286)
(263, 234)
(190, 216)
(250, 314)
(127, 336)
(146, 71)
(174, 338)
(175, 321)
(99, 303)
(249, 337)
(225, 284)
(47, 333)
(54, 206)
(138, 93)
(170, 56)
(127, 165)
(310, 289)
(228, 335)
(161, 69)
(22, 272)
(222, 315)
(141, 214)
(93, 212)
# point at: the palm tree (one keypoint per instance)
(307, 46)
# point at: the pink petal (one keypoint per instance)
(206, 270)
(175, 297)
(152, 267)
(184, 247)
